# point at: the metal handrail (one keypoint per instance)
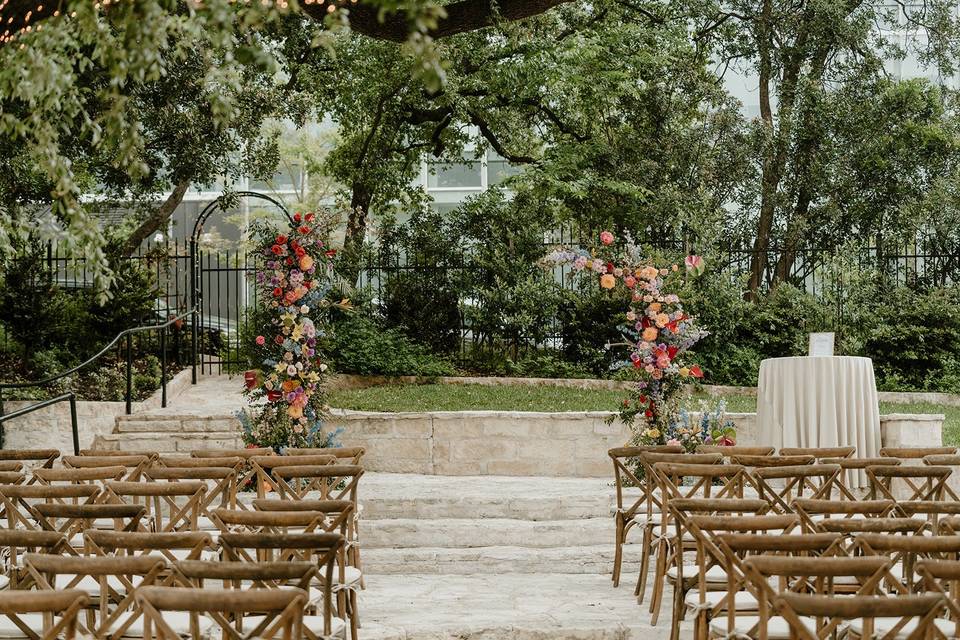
(128, 396)
(125, 332)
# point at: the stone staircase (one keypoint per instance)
(171, 433)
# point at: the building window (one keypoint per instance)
(458, 175)
(499, 169)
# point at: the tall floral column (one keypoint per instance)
(286, 393)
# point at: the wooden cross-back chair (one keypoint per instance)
(111, 582)
(852, 472)
(934, 510)
(69, 475)
(14, 543)
(169, 506)
(781, 485)
(915, 453)
(943, 576)
(220, 488)
(269, 478)
(951, 490)
(280, 612)
(905, 551)
(103, 453)
(344, 455)
(734, 450)
(765, 461)
(639, 509)
(813, 575)
(29, 458)
(921, 483)
(245, 472)
(697, 520)
(133, 464)
(850, 528)
(656, 511)
(72, 520)
(706, 481)
(867, 617)
(337, 517)
(813, 512)
(172, 545)
(741, 614)
(32, 612)
(20, 502)
(320, 623)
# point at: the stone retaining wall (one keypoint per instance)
(527, 443)
(50, 427)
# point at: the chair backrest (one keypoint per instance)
(20, 502)
(281, 611)
(771, 460)
(172, 545)
(906, 551)
(134, 464)
(915, 453)
(919, 483)
(820, 452)
(104, 453)
(16, 542)
(912, 616)
(819, 575)
(815, 511)
(66, 604)
(72, 475)
(781, 485)
(330, 482)
(628, 470)
(114, 576)
(39, 457)
(244, 454)
(736, 450)
(268, 477)
(346, 455)
(943, 576)
(169, 506)
(73, 519)
(220, 481)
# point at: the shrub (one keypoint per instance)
(363, 346)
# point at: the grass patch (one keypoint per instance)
(473, 397)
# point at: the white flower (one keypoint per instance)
(304, 309)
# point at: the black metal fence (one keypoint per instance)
(227, 292)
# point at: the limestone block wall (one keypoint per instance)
(527, 443)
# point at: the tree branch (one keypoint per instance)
(159, 218)
(490, 136)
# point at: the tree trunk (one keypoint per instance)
(360, 200)
(157, 220)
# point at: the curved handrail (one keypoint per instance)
(110, 345)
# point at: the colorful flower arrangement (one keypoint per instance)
(287, 401)
(658, 335)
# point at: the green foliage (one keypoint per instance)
(362, 346)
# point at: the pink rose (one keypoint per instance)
(606, 237)
(694, 264)
(261, 340)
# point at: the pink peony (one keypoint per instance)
(606, 237)
(694, 264)
(261, 340)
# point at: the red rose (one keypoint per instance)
(307, 284)
(289, 261)
(648, 413)
(278, 339)
(610, 267)
(277, 292)
(276, 249)
(310, 217)
(304, 229)
(331, 253)
(281, 239)
(296, 217)
(300, 252)
(696, 371)
(672, 352)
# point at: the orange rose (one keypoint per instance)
(650, 334)
(305, 263)
(607, 281)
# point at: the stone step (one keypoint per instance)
(423, 497)
(182, 443)
(176, 424)
(508, 607)
(490, 532)
(495, 560)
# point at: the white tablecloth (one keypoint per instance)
(819, 401)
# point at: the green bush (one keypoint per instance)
(589, 321)
(360, 345)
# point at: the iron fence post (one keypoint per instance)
(163, 368)
(193, 304)
(129, 397)
(73, 424)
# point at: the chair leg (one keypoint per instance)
(679, 595)
(354, 616)
(657, 599)
(647, 551)
(618, 551)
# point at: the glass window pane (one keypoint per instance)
(453, 175)
(500, 170)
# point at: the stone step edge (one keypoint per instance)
(173, 417)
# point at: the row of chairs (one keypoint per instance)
(805, 485)
(290, 510)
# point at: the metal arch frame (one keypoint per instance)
(196, 299)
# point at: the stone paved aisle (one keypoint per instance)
(486, 557)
